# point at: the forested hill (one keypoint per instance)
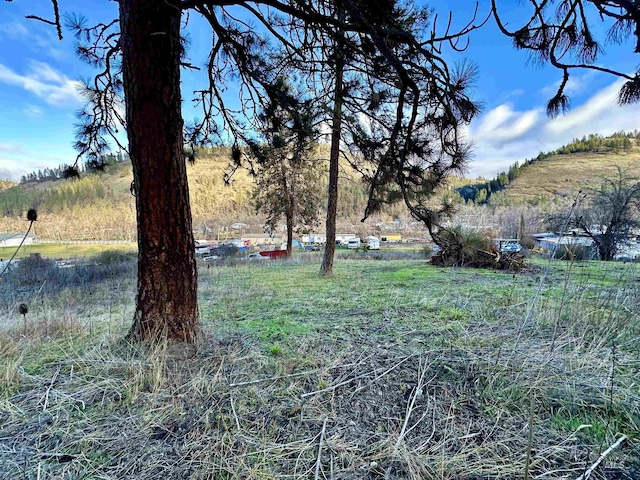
(561, 172)
(100, 205)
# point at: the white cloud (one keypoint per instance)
(14, 30)
(502, 124)
(11, 169)
(32, 111)
(53, 87)
(17, 160)
(7, 174)
(35, 41)
(10, 148)
(504, 136)
(601, 109)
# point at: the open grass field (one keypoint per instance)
(66, 250)
(390, 369)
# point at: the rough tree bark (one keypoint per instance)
(288, 212)
(332, 203)
(289, 235)
(166, 304)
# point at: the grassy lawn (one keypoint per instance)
(65, 250)
(388, 369)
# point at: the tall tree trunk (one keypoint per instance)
(606, 249)
(166, 302)
(334, 157)
(287, 191)
(289, 233)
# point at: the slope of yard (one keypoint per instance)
(389, 369)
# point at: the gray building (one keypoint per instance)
(13, 239)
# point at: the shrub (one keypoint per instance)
(36, 274)
(528, 242)
(112, 257)
(573, 252)
(34, 270)
(461, 248)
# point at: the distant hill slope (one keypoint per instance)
(100, 206)
(564, 175)
(5, 184)
(554, 176)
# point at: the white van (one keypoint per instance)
(353, 243)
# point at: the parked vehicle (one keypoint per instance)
(373, 243)
(273, 254)
(392, 238)
(353, 243)
(511, 247)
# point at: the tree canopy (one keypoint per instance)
(403, 107)
(561, 33)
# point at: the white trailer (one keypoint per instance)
(353, 243)
(373, 243)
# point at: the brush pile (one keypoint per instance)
(459, 248)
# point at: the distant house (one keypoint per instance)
(315, 238)
(552, 242)
(14, 239)
(251, 239)
(202, 248)
(343, 238)
(391, 237)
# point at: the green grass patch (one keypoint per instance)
(66, 250)
(464, 355)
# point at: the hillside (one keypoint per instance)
(555, 176)
(5, 184)
(564, 175)
(100, 206)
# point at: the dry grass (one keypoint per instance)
(213, 203)
(390, 369)
(565, 174)
(4, 184)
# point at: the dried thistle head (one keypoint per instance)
(70, 172)
(23, 309)
(236, 154)
(32, 215)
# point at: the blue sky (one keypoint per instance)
(39, 76)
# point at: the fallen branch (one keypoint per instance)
(273, 379)
(235, 415)
(380, 372)
(46, 395)
(604, 455)
(346, 382)
(318, 461)
(417, 391)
